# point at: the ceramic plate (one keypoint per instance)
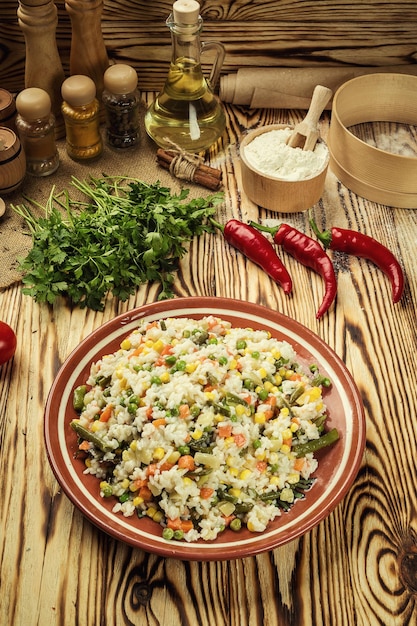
(338, 465)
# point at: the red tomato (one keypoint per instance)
(7, 342)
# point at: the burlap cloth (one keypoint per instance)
(15, 238)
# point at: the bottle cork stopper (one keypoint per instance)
(186, 11)
(120, 79)
(33, 103)
(78, 90)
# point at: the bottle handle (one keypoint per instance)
(218, 60)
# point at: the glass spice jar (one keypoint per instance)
(35, 125)
(121, 101)
(81, 109)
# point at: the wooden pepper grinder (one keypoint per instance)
(88, 52)
(43, 68)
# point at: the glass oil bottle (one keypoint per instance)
(186, 112)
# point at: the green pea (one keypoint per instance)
(256, 355)
(184, 450)
(235, 524)
(78, 397)
(223, 360)
(263, 394)
(155, 380)
(178, 534)
(167, 534)
(241, 344)
(124, 497)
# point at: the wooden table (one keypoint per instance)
(359, 566)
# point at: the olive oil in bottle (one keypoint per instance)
(187, 112)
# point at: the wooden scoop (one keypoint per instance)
(306, 133)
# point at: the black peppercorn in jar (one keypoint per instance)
(121, 101)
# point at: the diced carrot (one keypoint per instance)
(180, 524)
(184, 411)
(209, 387)
(145, 493)
(271, 400)
(295, 376)
(227, 519)
(206, 492)
(84, 445)
(149, 412)
(138, 483)
(161, 421)
(268, 415)
(150, 325)
(261, 466)
(299, 464)
(166, 466)
(166, 351)
(151, 469)
(186, 461)
(106, 413)
(287, 442)
(138, 351)
(240, 440)
(224, 430)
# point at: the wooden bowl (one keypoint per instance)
(278, 194)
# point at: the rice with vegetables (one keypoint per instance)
(201, 426)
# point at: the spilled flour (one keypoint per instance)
(269, 154)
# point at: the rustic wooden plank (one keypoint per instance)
(273, 34)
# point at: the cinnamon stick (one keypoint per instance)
(204, 175)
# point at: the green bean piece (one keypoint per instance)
(301, 449)
(78, 398)
(83, 433)
(232, 398)
(298, 391)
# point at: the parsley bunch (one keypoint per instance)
(126, 234)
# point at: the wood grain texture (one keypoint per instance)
(358, 567)
(277, 33)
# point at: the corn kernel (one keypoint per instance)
(137, 501)
(96, 426)
(158, 454)
(149, 343)
(229, 440)
(87, 462)
(165, 377)
(260, 418)
(126, 345)
(197, 434)
(268, 385)
(285, 449)
(233, 471)
(229, 461)
(103, 484)
(218, 418)
(126, 455)
(278, 379)
(274, 480)
(158, 517)
(294, 427)
(133, 445)
(293, 478)
(276, 354)
(235, 492)
(158, 345)
(285, 411)
(262, 372)
(241, 410)
(232, 364)
(187, 481)
(260, 455)
(151, 512)
(251, 527)
(286, 434)
(190, 367)
(173, 457)
(245, 474)
(209, 395)
(319, 406)
(125, 483)
(258, 389)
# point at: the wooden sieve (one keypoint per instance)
(370, 172)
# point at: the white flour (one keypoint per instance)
(269, 154)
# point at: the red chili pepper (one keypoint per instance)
(366, 247)
(308, 252)
(256, 248)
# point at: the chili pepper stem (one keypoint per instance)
(217, 224)
(325, 236)
(272, 230)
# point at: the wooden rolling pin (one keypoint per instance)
(291, 88)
